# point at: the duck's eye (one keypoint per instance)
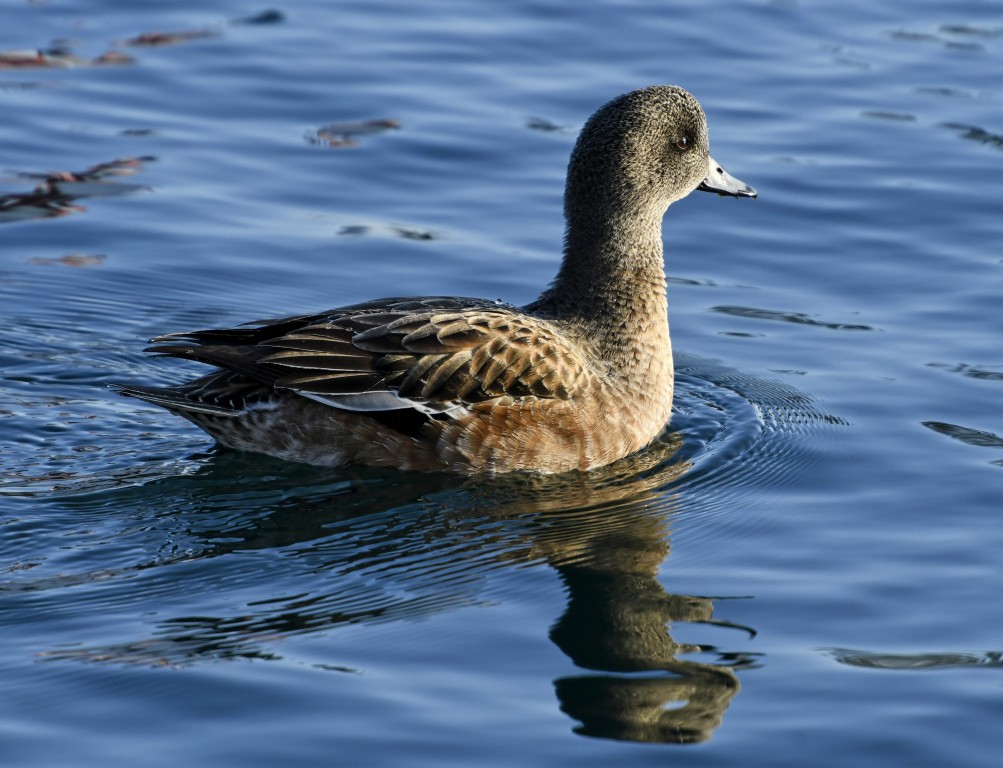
(682, 143)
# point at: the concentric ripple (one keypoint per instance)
(741, 432)
(232, 551)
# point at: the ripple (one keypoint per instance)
(901, 117)
(948, 91)
(946, 34)
(983, 373)
(799, 318)
(971, 30)
(741, 431)
(967, 435)
(916, 661)
(237, 551)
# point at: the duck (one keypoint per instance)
(577, 379)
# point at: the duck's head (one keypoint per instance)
(643, 151)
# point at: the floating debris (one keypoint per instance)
(57, 58)
(57, 191)
(271, 16)
(353, 230)
(112, 57)
(974, 133)
(71, 259)
(153, 39)
(44, 203)
(122, 166)
(343, 134)
(59, 55)
(414, 234)
(408, 233)
(546, 126)
(34, 58)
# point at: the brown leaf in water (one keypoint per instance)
(343, 134)
(71, 259)
(57, 58)
(151, 39)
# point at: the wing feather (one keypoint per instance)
(321, 360)
(436, 355)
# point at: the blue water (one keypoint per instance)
(804, 571)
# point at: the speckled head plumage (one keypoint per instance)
(634, 157)
(648, 146)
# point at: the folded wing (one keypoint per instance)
(437, 356)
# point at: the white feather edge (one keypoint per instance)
(381, 401)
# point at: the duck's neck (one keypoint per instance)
(611, 287)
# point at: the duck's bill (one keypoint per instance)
(720, 181)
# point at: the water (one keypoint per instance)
(804, 570)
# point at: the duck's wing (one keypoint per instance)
(436, 355)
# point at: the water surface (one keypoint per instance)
(804, 569)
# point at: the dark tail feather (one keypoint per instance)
(237, 359)
(171, 399)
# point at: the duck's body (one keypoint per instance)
(577, 379)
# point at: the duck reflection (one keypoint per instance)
(618, 620)
(618, 616)
(393, 546)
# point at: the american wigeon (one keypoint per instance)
(577, 379)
